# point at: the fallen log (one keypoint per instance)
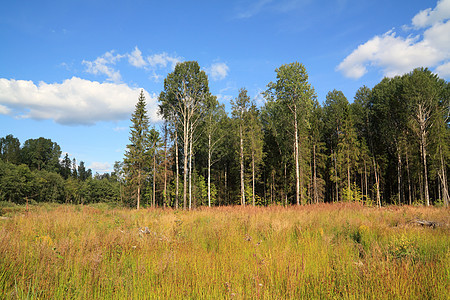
(431, 224)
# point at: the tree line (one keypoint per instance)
(390, 145)
(35, 172)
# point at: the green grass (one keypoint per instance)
(339, 251)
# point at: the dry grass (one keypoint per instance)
(320, 251)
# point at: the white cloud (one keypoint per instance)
(75, 101)
(161, 60)
(438, 37)
(444, 70)
(430, 16)
(102, 65)
(259, 98)
(253, 9)
(135, 58)
(218, 71)
(249, 9)
(397, 55)
(100, 167)
(4, 110)
(119, 129)
(224, 98)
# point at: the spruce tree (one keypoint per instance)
(135, 155)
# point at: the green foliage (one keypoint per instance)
(136, 156)
(10, 149)
(41, 154)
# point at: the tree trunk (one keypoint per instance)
(209, 170)
(409, 178)
(139, 189)
(336, 177)
(316, 196)
(425, 171)
(177, 180)
(186, 157)
(190, 170)
(365, 179)
(285, 185)
(226, 186)
(165, 165)
(377, 182)
(253, 177)
(154, 177)
(443, 178)
(273, 187)
(349, 192)
(242, 164)
(296, 158)
(399, 175)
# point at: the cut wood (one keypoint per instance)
(432, 224)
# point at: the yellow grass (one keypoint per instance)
(312, 252)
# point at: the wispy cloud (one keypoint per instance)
(249, 9)
(252, 9)
(4, 110)
(162, 60)
(155, 63)
(119, 129)
(218, 71)
(135, 58)
(104, 65)
(396, 55)
(75, 101)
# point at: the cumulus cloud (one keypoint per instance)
(218, 71)
(444, 70)
(397, 55)
(104, 65)
(100, 167)
(135, 58)
(430, 16)
(75, 101)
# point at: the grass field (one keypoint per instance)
(337, 251)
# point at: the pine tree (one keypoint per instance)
(136, 154)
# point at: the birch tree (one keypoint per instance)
(423, 90)
(214, 115)
(184, 94)
(240, 108)
(294, 92)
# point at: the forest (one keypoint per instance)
(390, 145)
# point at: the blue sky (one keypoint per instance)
(71, 71)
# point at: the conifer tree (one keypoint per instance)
(136, 153)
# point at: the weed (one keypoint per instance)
(318, 251)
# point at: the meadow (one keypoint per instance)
(325, 251)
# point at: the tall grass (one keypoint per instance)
(320, 251)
